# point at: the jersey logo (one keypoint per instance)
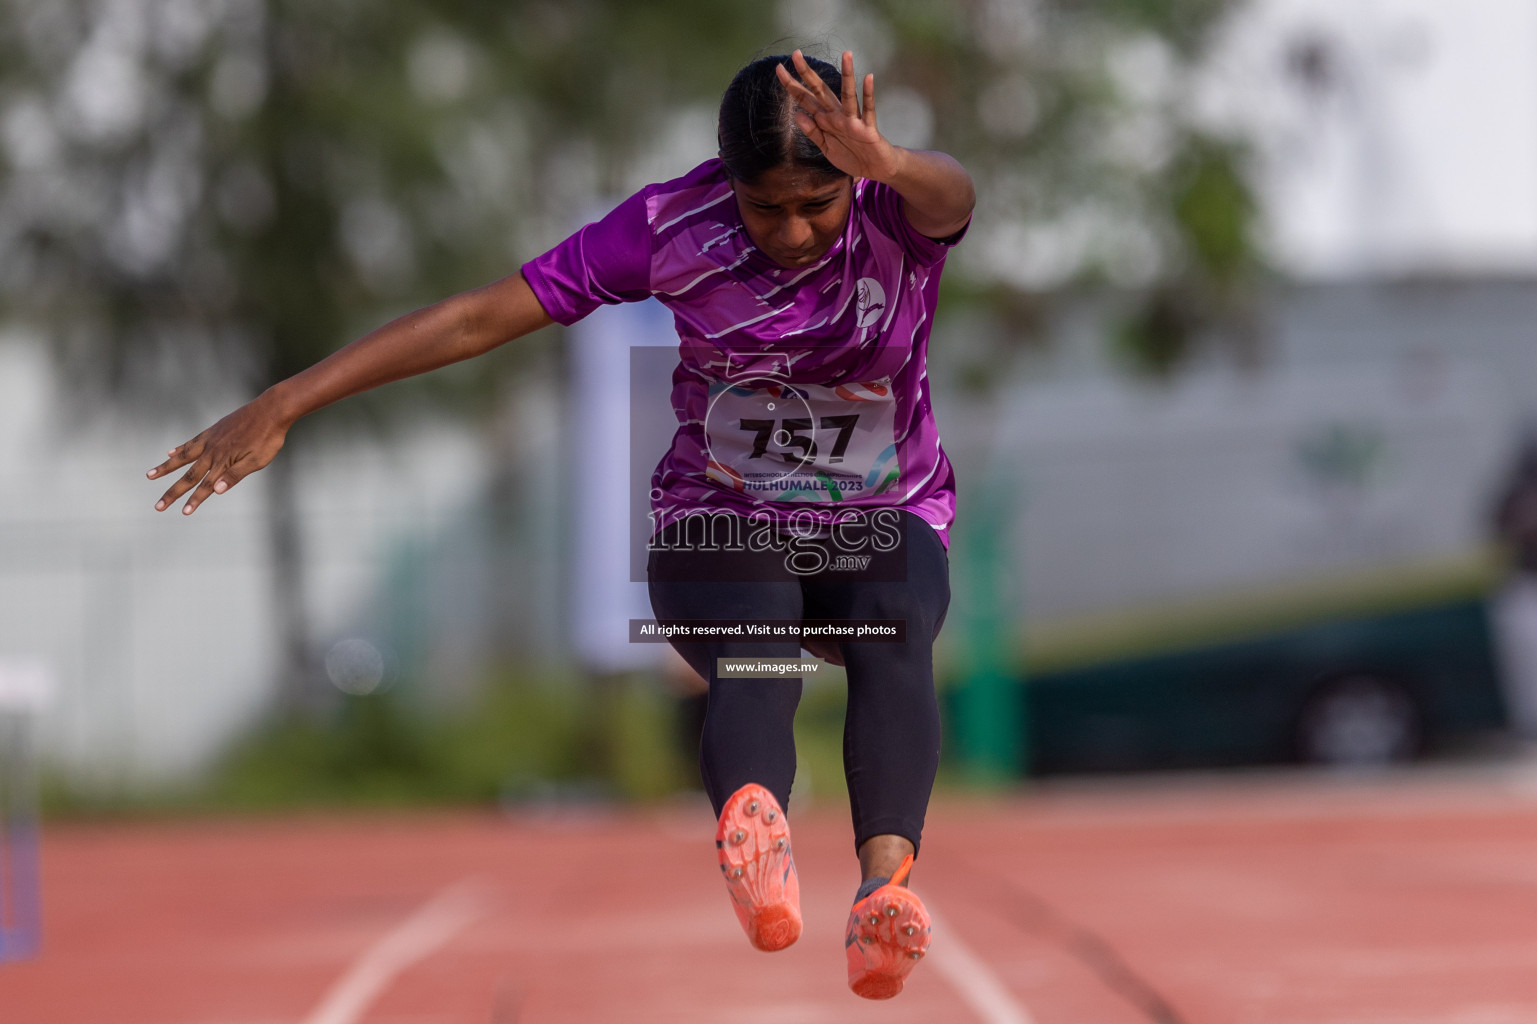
(869, 302)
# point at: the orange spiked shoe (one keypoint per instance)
(752, 841)
(888, 934)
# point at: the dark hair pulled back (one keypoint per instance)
(757, 130)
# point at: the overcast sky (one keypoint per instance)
(1415, 148)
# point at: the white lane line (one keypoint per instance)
(975, 982)
(433, 924)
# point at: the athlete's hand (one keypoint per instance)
(845, 134)
(223, 455)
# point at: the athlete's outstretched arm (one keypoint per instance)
(466, 325)
(937, 193)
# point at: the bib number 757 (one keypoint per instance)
(802, 442)
(790, 429)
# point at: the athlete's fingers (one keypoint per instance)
(869, 116)
(849, 106)
(178, 457)
(219, 478)
(804, 98)
(809, 79)
(807, 124)
(236, 471)
(807, 115)
(204, 490)
(825, 101)
(188, 480)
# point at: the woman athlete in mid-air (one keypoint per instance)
(805, 481)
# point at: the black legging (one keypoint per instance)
(891, 733)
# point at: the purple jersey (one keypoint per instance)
(799, 392)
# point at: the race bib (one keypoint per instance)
(803, 442)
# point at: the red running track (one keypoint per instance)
(1267, 900)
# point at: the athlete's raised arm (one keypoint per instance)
(937, 193)
(465, 325)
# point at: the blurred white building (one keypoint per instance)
(1372, 440)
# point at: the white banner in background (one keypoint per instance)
(605, 594)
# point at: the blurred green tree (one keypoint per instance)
(211, 196)
(1097, 162)
(207, 194)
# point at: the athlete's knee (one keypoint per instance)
(753, 698)
(918, 611)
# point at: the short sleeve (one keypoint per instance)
(606, 262)
(880, 204)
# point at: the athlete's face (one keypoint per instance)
(794, 215)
